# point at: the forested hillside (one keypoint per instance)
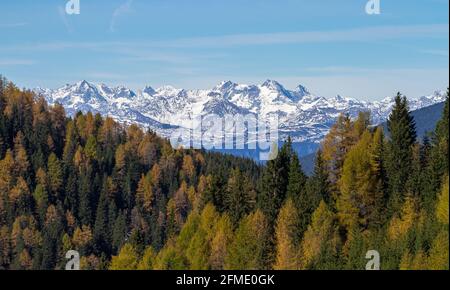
(125, 199)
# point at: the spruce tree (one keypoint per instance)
(438, 166)
(274, 184)
(85, 202)
(402, 129)
(55, 174)
(317, 189)
(239, 200)
(120, 231)
(297, 179)
(102, 236)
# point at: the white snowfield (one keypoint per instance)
(302, 115)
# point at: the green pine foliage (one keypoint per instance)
(399, 155)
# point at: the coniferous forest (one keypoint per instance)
(125, 199)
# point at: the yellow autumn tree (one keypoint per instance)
(442, 206)
(342, 136)
(419, 261)
(335, 146)
(155, 174)
(439, 257)
(82, 237)
(199, 250)
(170, 258)
(249, 247)
(319, 232)
(220, 242)
(403, 222)
(90, 263)
(127, 259)
(148, 259)
(188, 166)
(147, 150)
(25, 260)
(438, 254)
(181, 203)
(286, 238)
(360, 198)
(20, 193)
(6, 168)
(20, 156)
(144, 193)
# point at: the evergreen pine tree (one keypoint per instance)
(274, 184)
(297, 179)
(102, 237)
(239, 199)
(402, 131)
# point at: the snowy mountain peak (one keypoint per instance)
(277, 93)
(273, 85)
(84, 86)
(149, 90)
(123, 92)
(439, 93)
(302, 91)
(167, 90)
(340, 98)
(225, 86)
(86, 90)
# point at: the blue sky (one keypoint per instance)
(332, 47)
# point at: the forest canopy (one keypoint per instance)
(126, 200)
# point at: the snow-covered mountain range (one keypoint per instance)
(304, 116)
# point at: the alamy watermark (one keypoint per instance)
(74, 260)
(230, 132)
(373, 7)
(374, 260)
(73, 7)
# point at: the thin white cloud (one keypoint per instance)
(16, 62)
(365, 34)
(121, 10)
(13, 25)
(437, 52)
(337, 70)
(340, 70)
